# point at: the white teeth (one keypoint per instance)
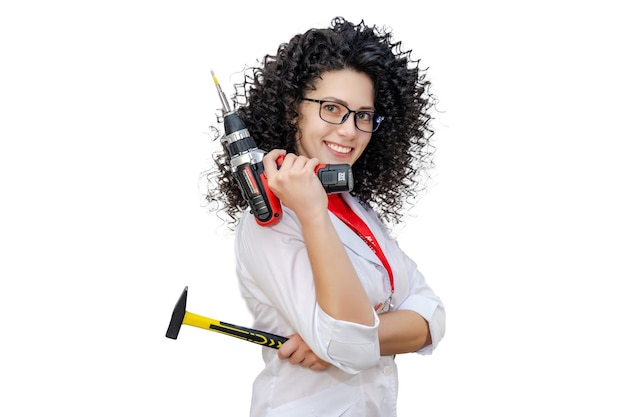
(337, 148)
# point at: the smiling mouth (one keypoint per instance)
(337, 148)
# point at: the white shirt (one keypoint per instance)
(277, 284)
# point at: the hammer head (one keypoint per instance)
(178, 315)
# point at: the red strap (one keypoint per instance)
(341, 209)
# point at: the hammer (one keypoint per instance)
(180, 316)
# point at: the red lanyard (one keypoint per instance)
(341, 209)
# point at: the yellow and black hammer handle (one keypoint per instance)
(180, 316)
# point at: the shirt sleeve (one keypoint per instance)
(276, 280)
(420, 297)
(426, 303)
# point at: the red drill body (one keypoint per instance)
(246, 162)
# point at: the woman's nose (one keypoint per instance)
(348, 127)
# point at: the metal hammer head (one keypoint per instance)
(178, 315)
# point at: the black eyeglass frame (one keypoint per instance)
(377, 118)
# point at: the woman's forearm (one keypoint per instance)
(338, 289)
(402, 331)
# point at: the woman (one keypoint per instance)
(329, 275)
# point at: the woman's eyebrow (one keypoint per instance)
(340, 101)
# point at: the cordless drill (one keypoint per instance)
(246, 162)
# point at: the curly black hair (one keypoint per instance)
(393, 168)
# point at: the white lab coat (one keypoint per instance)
(277, 284)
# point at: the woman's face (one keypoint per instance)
(332, 143)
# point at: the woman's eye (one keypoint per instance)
(331, 108)
(365, 116)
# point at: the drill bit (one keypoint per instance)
(225, 106)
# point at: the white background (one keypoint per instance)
(104, 112)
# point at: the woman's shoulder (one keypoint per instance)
(288, 224)
(369, 213)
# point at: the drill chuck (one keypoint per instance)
(233, 124)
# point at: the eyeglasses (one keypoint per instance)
(337, 113)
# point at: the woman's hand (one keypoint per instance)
(298, 353)
(296, 184)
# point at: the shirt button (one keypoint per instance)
(387, 370)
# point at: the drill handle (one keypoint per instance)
(264, 204)
(262, 201)
(335, 178)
